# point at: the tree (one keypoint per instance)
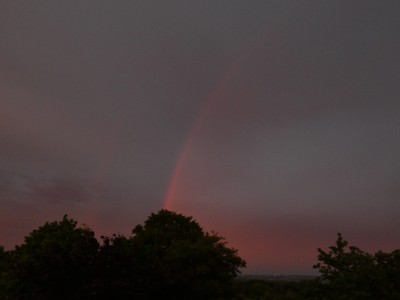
(169, 257)
(3, 260)
(350, 273)
(4, 267)
(178, 260)
(116, 271)
(388, 269)
(55, 262)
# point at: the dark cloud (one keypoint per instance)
(61, 191)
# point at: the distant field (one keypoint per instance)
(292, 278)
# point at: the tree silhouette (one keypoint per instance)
(169, 257)
(116, 269)
(350, 273)
(4, 268)
(54, 262)
(178, 260)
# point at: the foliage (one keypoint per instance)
(116, 270)
(169, 257)
(4, 267)
(180, 261)
(54, 262)
(350, 273)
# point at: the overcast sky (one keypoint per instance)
(273, 123)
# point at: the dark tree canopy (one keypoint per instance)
(116, 269)
(350, 273)
(4, 267)
(181, 260)
(54, 262)
(169, 257)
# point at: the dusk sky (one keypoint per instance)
(274, 123)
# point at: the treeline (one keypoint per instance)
(171, 257)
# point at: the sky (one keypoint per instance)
(273, 123)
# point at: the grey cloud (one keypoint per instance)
(60, 191)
